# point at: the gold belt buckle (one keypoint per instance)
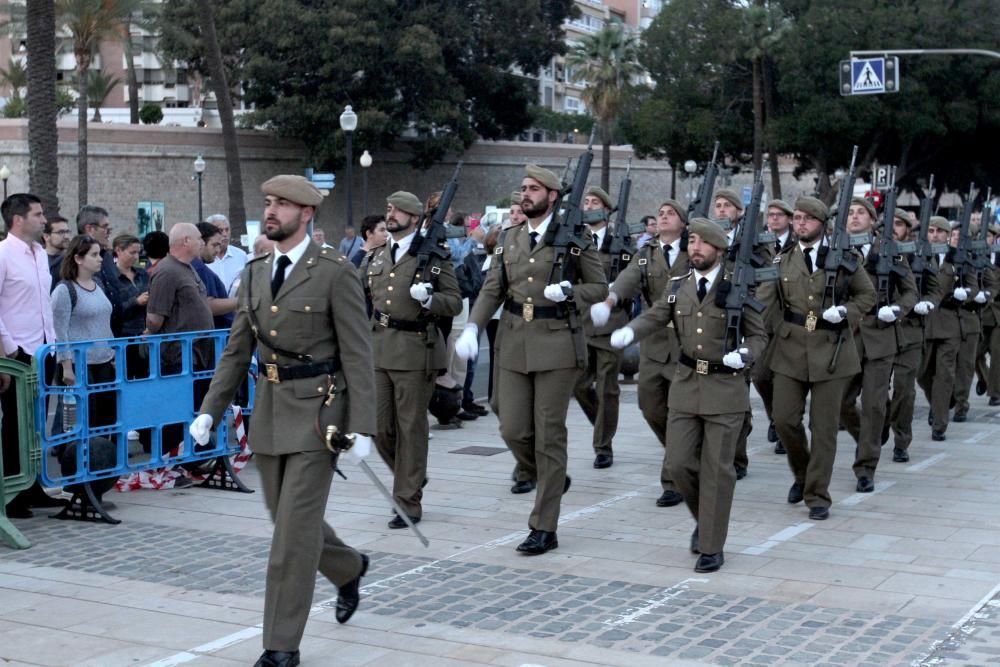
(383, 319)
(701, 367)
(811, 322)
(272, 373)
(528, 312)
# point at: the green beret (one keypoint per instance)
(780, 204)
(595, 191)
(676, 205)
(515, 198)
(543, 176)
(861, 201)
(903, 216)
(937, 222)
(296, 189)
(709, 232)
(406, 202)
(731, 197)
(813, 207)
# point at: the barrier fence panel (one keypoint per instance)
(20, 474)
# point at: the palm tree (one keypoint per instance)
(99, 86)
(607, 61)
(43, 137)
(16, 77)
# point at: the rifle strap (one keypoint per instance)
(644, 270)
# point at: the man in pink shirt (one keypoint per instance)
(25, 322)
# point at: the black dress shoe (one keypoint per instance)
(669, 499)
(741, 471)
(603, 460)
(278, 659)
(398, 522)
(819, 513)
(960, 417)
(980, 387)
(694, 541)
(865, 485)
(19, 511)
(475, 409)
(566, 484)
(709, 562)
(538, 542)
(523, 487)
(349, 595)
(795, 494)
(779, 448)
(937, 436)
(994, 402)
(900, 456)
(772, 433)
(467, 416)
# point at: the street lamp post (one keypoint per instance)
(348, 123)
(366, 162)
(690, 167)
(4, 175)
(199, 170)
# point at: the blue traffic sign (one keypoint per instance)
(322, 180)
(869, 76)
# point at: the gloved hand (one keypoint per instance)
(201, 429)
(557, 293)
(887, 313)
(467, 345)
(960, 294)
(982, 297)
(835, 314)
(621, 338)
(599, 313)
(422, 292)
(362, 448)
(734, 359)
(923, 307)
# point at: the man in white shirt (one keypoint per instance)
(231, 260)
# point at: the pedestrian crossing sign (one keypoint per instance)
(869, 76)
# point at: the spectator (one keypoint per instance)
(349, 244)
(319, 237)
(262, 246)
(649, 222)
(133, 285)
(56, 235)
(373, 234)
(230, 260)
(156, 246)
(223, 306)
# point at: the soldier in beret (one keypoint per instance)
(811, 331)
(709, 397)
(537, 358)
(410, 352)
(648, 274)
(988, 374)
(982, 290)
(597, 389)
(301, 308)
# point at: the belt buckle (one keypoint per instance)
(383, 319)
(811, 322)
(272, 373)
(528, 312)
(701, 367)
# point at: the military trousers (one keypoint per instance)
(965, 370)
(700, 461)
(811, 459)
(904, 393)
(866, 426)
(597, 392)
(989, 372)
(937, 378)
(533, 409)
(295, 488)
(402, 399)
(654, 391)
(763, 377)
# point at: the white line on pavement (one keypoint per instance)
(778, 538)
(982, 435)
(658, 601)
(856, 498)
(959, 625)
(923, 465)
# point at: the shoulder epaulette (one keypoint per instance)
(259, 258)
(682, 277)
(332, 255)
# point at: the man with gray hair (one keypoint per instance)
(93, 221)
(230, 261)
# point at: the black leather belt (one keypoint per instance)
(703, 367)
(529, 311)
(276, 373)
(812, 322)
(402, 325)
(949, 304)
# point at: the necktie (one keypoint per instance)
(595, 241)
(392, 252)
(807, 254)
(777, 246)
(534, 239)
(667, 249)
(279, 274)
(702, 288)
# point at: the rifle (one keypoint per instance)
(698, 208)
(839, 255)
(923, 256)
(963, 258)
(888, 248)
(621, 248)
(981, 250)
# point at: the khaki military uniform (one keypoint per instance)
(536, 358)
(761, 374)
(708, 402)
(877, 343)
(318, 311)
(409, 353)
(658, 351)
(803, 350)
(965, 364)
(989, 373)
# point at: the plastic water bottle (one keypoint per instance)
(69, 412)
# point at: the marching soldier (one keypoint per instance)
(971, 332)
(538, 352)
(812, 330)
(989, 374)
(302, 308)
(410, 352)
(876, 338)
(597, 389)
(710, 397)
(648, 274)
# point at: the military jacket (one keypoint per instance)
(991, 282)
(599, 336)
(912, 326)
(876, 338)
(319, 311)
(943, 321)
(538, 344)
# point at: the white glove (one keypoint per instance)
(362, 447)
(835, 314)
(923, 307)
(599, 314)
(555, 292)
(887, 314)
(981, 297)
(622, 337)
(734, 360)
(467, 345)
(421, 292)
(201, 429)
(960, 294)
